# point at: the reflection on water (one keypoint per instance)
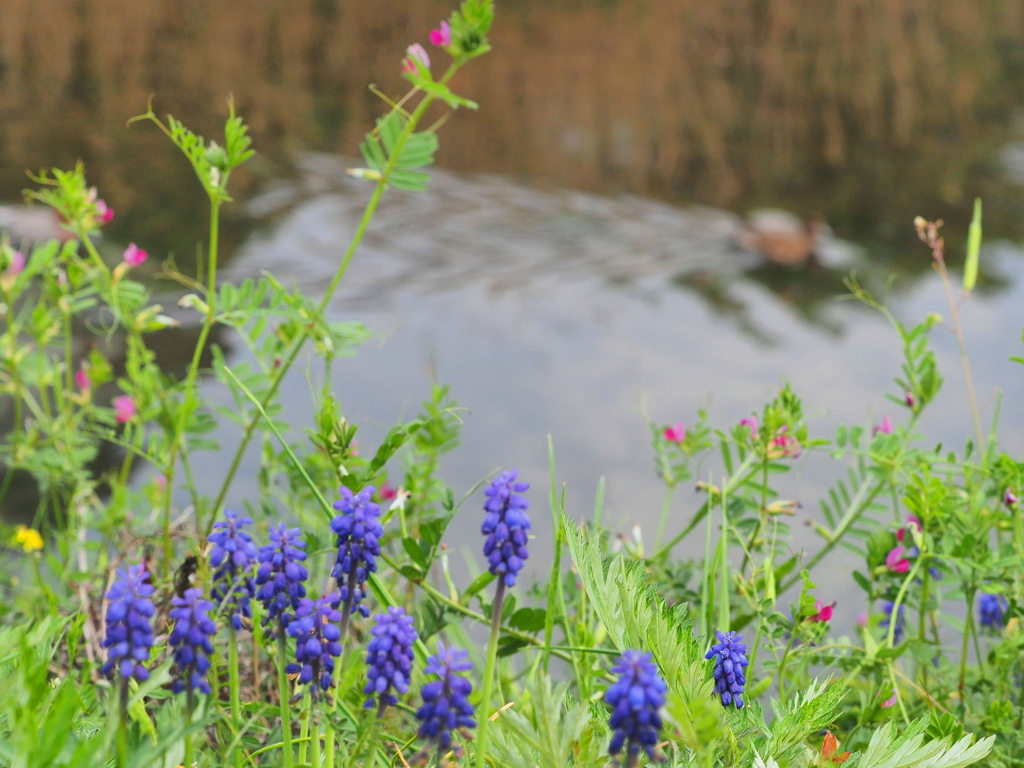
(557, 312)
(859, 112)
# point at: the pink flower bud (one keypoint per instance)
(82, 380)
(890, 701)
(124, 409)
(387, 492)
(895, 561)
(441, 37)
(134, 256)
(750, 421)
(416, 59)
(103, 212)
(676, 433)
(1009, 499)
(17, 264)
(909, 399)
(885, 427)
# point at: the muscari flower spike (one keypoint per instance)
(635, 699)
(901, 623)
(359, 532)
(446, 701)
(730, 659)
(191, 641)
(233, 557)
(506, 525)
(281, 576)
(389, 657)
(992, 611)
(129, 624)
(316, 642)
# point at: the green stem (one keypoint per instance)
(357, 238)
(742, 476)
(190, 708)
(492, 657)
(314, 735)
(192, 375)
(233, 685)
(284, 692)
(666, 505)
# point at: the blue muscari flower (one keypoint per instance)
(191, 641)
(129, 624)
(901, 621)
(281, 576)
(505, 525)
(446, 701)
(389, 657)
(635, 698)
(992, 611)
(359, 533)
(730, 676)
(233, 557)
(316, 642)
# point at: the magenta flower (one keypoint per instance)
(750, 421)
(676, 433)
(890, 701)
(82, 379)
(784, 445)
(386, 491)
(885, 427)
(134, 256)
(912, 522)
(17, 264)
(124, 409)
(895, 561)
(1009, 499)
(104, 212)
(909, 399)
(417, 59)
(862, 619)
(441, 37)
(824, 612)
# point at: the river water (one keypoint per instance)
(573, 268)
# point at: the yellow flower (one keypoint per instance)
(28, 538)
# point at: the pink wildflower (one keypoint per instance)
(862, 619)
(676, 433)
(104, 212)
(134, 256)
(886, 427)
(386, 491)
(1009, 499)
(824, 612)
(890, 701)
(417, 59)
(895, 561)
(124, 409)
(912, 522)
(82, 380)
(441, 37)
(909, 399)
(17, 264)
(750, 421)
(785, 445)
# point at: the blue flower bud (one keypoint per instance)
(281, 576)
(359, 533)
(316, 642)
(635, 699)
(191, 641)
(389, 657)
(730, 659)
(446, 700)
(506, 527)
(129, 619)
(232, 558)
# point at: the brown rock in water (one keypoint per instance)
(780, 236)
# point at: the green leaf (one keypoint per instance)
(528, 619)
(973, 248)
